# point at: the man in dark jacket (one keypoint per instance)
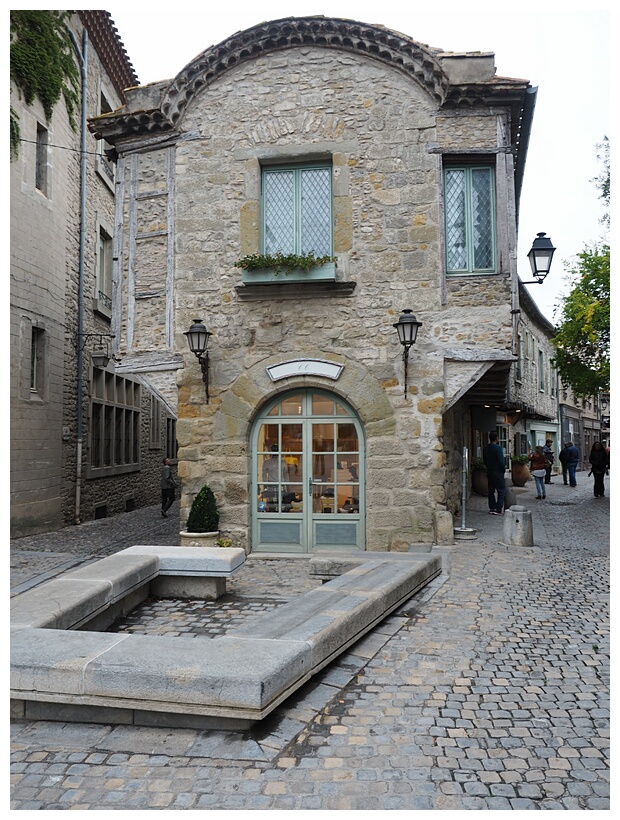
(167, 488)
(564, 461)
(569, 459)
(493, 457)
(548, 454)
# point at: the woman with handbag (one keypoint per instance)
(538, 468)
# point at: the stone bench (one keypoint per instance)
(228, 682)
(332, 565)
(192, 572)
(101, 592)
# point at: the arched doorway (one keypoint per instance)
(307, 475)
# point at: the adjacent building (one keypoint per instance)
(87, 438)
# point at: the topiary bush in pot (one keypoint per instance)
(204, 515)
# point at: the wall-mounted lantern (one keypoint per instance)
(407, 327)
(100, 354)
(198, 339)
(100, 357)
(540, 256)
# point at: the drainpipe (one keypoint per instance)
(83, 58)
(527, 115)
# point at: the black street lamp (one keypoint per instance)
(198, 339)
(540, 256)
(407, 327)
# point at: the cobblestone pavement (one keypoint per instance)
(488, 690)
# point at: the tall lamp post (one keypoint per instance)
(407, 327)
(198, 339)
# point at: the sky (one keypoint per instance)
(562, 48)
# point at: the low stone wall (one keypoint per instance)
(58, 672)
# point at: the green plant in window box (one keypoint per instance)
(283, 263)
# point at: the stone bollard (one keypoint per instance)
(518, 531)
(510, 499)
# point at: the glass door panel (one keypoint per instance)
(292, 406)
(306, 476)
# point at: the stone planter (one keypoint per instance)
(520, 474)
(317, 273)
(480, 483)
(198, 539)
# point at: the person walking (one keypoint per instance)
(495, 462)
(599, 460)
(168, 485)
(564, 461)
(572, 460)
(548, 451)
(538, 468)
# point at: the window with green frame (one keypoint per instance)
(469, 193)
(297, 209)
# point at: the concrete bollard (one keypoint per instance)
(518, 531)
(511, 498)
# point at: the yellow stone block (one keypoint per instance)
(430, 405)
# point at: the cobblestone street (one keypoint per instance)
(487, 690)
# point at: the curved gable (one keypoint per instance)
(383, 45)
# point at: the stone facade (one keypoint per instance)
(189, 186)
(533, 390)
(45, 303)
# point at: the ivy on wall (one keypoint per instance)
(42, 64)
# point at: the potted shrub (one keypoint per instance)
(520, 470)
(479, 481)
(203, 521)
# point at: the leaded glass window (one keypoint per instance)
(297, 210)
(470, 220)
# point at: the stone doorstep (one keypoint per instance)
(242, 676)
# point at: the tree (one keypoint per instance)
(582, 340)
(603, 180)
(42, 64)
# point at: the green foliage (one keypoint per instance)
(283, 263)
(204, 515)
(582, 340)
(42, 64)
(603, 180)
(478, 464)
(519, 459)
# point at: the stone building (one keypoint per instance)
(70, 404)
(583, 421)
(400, 165)
(532, 396)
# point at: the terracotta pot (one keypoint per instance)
(520, 474)
(480, 483)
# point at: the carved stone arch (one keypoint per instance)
(252, 389)
(391, 48)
